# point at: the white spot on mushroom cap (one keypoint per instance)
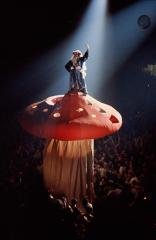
(93, 115)
(80, 110)
(57, 114)
(45, 110)
(34, 106)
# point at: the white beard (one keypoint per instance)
(83, 69)
(74, 60)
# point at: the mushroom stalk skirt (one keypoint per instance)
(68, 168)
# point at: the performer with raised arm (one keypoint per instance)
(76, 66)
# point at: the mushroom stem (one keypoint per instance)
(68, 168)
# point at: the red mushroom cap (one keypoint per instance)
(71, 117)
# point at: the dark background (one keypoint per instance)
(27, 32)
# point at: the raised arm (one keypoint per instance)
(86, 54)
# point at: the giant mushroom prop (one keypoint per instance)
(70, 122)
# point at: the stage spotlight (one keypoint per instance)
(91, 30)
(49, 68)
(112, 40)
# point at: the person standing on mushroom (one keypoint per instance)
(70, 123)
(77, 68)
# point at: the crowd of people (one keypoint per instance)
(124, 183)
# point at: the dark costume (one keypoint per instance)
(77, 72)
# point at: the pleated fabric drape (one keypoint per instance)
(68, 168)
